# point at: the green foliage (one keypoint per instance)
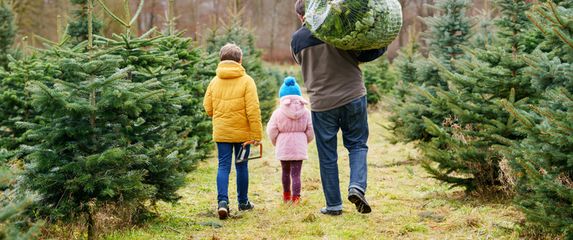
(14, 107)
(420, 78)
(7, 33)
(198, 69)
(267, 79)
(466, 146)
(84, 150)
(78, 28)
(379, 79)
(543, 161)
(15, 99)
(119, 125)
(14, 222)
(449, 30)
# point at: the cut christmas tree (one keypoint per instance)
(355, 24)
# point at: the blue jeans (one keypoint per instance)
(225, 156)
(352, 119)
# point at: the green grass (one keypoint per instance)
(406, 203)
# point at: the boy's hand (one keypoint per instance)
(256, 143)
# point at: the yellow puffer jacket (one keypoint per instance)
(232, 100)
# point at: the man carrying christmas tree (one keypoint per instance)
(338, 99)
(232, 100)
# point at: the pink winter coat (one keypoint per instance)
(290, 129)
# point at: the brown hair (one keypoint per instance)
(231, 52)
(299, 7)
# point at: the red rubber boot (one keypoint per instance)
(286, 197)
(295, 200)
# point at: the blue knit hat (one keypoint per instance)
(289, 87)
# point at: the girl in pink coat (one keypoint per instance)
(290, 130)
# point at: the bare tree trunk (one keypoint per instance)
(273, 30)
(151, 18)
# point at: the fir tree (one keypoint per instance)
(447, 33)
(7, 33)
(466, 145)
(266, 80)
(542, 162)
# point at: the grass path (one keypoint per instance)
(406, 204)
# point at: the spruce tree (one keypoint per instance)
(447, 33)
(7, 33)
(466, 146)
(265, 78)
(543, 161)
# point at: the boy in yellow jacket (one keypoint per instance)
(232, 101)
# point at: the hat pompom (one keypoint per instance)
(290, 81)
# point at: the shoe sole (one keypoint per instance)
(223, 213)
(332, 213)
(361, 205)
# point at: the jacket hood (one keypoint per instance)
(230, 69)
(293, 106)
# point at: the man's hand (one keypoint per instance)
(256, 143)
